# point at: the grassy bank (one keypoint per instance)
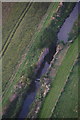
(42, 38)
(59, 81)
(58, 23)
(21, 39)
(9, 90)
(67, 106)
(26, 68)
(11, 13)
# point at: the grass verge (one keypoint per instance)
(59, 81)
(67, 106)
(21, 39)
(35, 50)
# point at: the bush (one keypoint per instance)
(29, 73)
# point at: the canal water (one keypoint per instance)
(68, 24)
(62, 35)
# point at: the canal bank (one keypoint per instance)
(38, 76)
(48, 37)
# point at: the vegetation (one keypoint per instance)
(30, 39)
(56, 27)
(59, 81)
(9, 20)
(69, 98)
(29, 60)
(24, 68)
(21, 40)
(75, 30)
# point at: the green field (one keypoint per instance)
(24, 68)
(36, 46)
(34, 33)
(12, 17)
(59, 81)
(67, 106)
(21, 39)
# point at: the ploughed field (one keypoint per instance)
(27, 30)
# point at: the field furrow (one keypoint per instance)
(8, 40)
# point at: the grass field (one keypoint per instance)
(21, 39)
(29, 60)
(5, 46)
(67, 106)
(24, 67)
(11, 12)
(59, 81)
(27, 36)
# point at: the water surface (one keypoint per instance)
(68, 24)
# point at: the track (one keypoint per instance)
(14, 30)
